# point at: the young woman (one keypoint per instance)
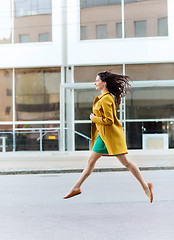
(106, 131)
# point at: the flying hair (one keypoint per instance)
(117, 84)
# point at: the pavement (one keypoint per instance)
(66, 162)
(112, 206)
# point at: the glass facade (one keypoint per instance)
(140, 28)
(143, 18)
(34, 20)
(5, 21)
(145, 106)
(89, 73)
(149, 109)
(136, 130)
(83, 103)
(6, 110)
(82, 143)
(37, 94)
(28, 137)
(150, 103)
(6, 138)
(100, 18)
(145, 72)
(37, 98)
(38, 113)
(162, 29)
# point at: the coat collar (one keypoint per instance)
(103, 94)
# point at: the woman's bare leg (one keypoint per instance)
(135, 171)
(87, 170)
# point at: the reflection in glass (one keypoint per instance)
(83, 33)
(82, 143)
(134, 135)
(43, 37)
(89, 73)
(162, 26)
(101, 31)
(144, 12)
(83, 103)
(119, 30)
(5, 21)
(150, 103)
(171, 134)
(94, 3)
(100, 18)
(158, 71)
(24, 38)
(6, 111)
(135, 131)
(6, 138)
(37, 94)
(32, 18)
(30, 139)
(140, 28)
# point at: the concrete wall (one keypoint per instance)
(115, 51)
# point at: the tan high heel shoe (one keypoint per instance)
(151, 193)
(74, 193)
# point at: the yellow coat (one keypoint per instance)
(105, 122)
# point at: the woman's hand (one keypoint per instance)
(91, 116)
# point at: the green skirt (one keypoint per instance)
(99, 146)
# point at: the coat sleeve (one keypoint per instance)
(108, 118)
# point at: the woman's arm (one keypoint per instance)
(108, 118)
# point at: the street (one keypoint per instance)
(112, 206)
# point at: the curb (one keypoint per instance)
(78, 170)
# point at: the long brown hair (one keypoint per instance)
(117, 84)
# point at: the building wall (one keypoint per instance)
(145, 59)
(128, 50)
(149, 11)
(35, 54)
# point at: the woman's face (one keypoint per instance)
(99, 84)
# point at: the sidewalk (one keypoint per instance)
(57, 162)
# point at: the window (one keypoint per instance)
(7, 110)
(6, 95)
(44, 37)
(99, 18)
(141, 17)
(95, 3)
(83, 101)
(140, 28)
(163, 27)
(30, 7)
(150, 103)
(119, 30)
(88, 73)
(101, 31)
(156, 71)
(83, 33)
(5, 22)
(80, 142)
(37, 94)
(33, 17)
(9, 92)
(24, 38)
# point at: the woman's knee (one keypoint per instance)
(91, 161)
(124, 161)
(93, 158)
